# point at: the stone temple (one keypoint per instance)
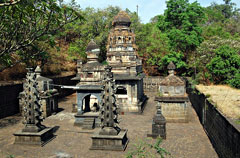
(126, 66)
(89, 88)
(126, 69)
(173, 97)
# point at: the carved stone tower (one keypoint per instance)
(126, 66)
(34, 132)
(110, 136)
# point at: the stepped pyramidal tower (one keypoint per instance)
(126, 66)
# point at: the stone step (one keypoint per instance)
(88, 123)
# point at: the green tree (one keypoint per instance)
(225, 66)
(181, 23)
(158, 46)
(26, 23)
(177, 58)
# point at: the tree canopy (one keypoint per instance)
(203, 42)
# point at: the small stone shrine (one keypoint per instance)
(89, 88)
(109, 136)
(126, 66)
(48, 95)
(173, 97)
(33, 133)
(158, 124)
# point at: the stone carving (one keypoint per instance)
(110, 136)
(173, 97)
(126, 65)
(32, 104)
(109, 115)
(48, 95)
(34, 132)
(158, 124)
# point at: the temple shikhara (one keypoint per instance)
(126, 66)
(126, 69)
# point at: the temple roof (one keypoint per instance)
(92, 66)
(121, 19)
(91, 46)
(172, 80)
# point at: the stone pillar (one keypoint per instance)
(110, 136)
(79, 103)
(158, 124)
(34, 132)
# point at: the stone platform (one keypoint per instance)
(79, 118)
(31, 138)
(184, 140)
(110, 142)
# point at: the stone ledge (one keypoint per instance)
(172, 99)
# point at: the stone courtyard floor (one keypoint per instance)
(184, 140)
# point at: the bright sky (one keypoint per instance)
(146, 8)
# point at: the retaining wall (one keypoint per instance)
(9, 104)
(223, 134)
(151, 83)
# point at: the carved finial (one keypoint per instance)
(171, 66)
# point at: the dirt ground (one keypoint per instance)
(184, 140)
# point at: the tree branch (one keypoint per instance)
(11, 2)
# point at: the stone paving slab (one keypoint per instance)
(184, 140)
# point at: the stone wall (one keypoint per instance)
(151, 83)
(223, 134)
(8, 99)
(175, 112)
(66, 80)
(9, 104)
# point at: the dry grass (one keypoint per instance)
(226, 99)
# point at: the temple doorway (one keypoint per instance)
(90, 103)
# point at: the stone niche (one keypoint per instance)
(173, 97)
(48, 95)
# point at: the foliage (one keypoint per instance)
(33, 21)
(147, 150)
(177, 59)
(158, 46)
(225, 66)
(205, 52)
(181, 23)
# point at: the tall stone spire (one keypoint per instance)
(32, 107)
(109, 122)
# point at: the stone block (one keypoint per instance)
(110, 142)
(32, 138)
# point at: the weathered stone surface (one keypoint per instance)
(110, 136)
(173, 98)
(48, 95)
(110, 142)
(126, 65)
(34, 138)
(158, 125)
(33, 132)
